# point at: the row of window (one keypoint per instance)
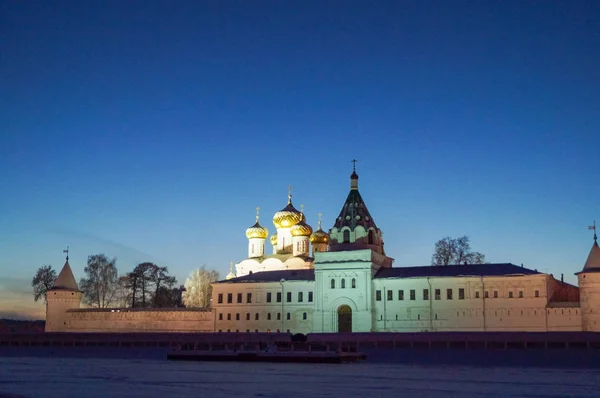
(257, 316)
(478, 313)
(278, 296)
(438, 294)
(343, 283)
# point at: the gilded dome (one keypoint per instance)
(257, 231)
(287, 217)
(301, 229)
(319, 236)
(274, 239)
(230, 275)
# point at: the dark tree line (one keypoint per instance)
(147, 286)
(151, 286)
(454, 251)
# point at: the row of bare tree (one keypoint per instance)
(146, 286)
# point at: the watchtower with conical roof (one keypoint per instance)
(63, 296)
(589, 289)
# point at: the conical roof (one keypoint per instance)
(592, 263)
(65, 280)
(354, 212)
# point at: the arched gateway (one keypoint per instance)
(344, 319)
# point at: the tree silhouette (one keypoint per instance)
(42, 282)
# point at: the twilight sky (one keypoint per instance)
(150, 131)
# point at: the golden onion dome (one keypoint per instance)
(288, 216)
(274, 239)
(301, 229)
(319, 236)
(257, 230)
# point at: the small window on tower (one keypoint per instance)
(353, 283)
(346, 236)
(333, 283)
(343, 284)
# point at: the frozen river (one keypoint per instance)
(79, 377)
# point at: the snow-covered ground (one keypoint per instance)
(94, 377)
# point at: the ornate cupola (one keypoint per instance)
(354, 228)
(256, 234)
(230, 275)
(284, 220)
(319, 239)
(301, 236)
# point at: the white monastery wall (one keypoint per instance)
(128, 321)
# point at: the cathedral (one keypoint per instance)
(342, 280)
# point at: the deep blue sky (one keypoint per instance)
(149, 131)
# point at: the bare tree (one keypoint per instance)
(455, 251)
(163, 285)
(42, 282)
(99, 286)
(198, 290)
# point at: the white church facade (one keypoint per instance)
(343, 281)
(347, 284)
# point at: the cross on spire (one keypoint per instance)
(354, 164)
(320, 215)
(301, 208)
(66, 251)
(231, 267)
(257, 213)
(290, 194)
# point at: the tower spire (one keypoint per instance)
(257, 213)
(289, 194)
(67, 251)
(320, 215)
(594, 228)
(354, 176)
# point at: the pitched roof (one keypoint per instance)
(592, 263)
(275, 276)
(503, 269)
(65, 280)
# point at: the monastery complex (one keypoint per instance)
(343, 281)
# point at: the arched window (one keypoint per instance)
(333, 283)
(353, 283)
(343, 286)
(371, 238)
(347, 236)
